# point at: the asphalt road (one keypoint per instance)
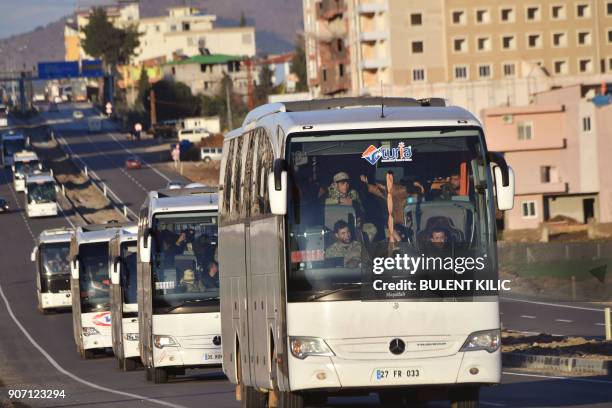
(38, 352)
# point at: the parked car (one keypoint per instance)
(174, 184)
(4, 206)
(211, 153)
(133, 162)
(77, 114)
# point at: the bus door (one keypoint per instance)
(116, 300)
(75, 291)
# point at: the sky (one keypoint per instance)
(20, 16)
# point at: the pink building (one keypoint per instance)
(560, 148)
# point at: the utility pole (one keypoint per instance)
(230, 122)
(153, 107)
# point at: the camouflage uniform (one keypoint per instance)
(334, 196)
(350, 252)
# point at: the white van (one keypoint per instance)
(193, 135)
(211, 153)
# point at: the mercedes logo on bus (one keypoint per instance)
(397, 346)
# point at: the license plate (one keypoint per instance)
(383, 375)
(212, 356)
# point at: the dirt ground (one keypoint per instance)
(558, 346)
(197, 171)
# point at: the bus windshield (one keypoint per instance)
(39, 193)
(93, 277)
(185, 269)
(358, 198)
(55, 258)
(128, 272)
(24, 168)
(12, 146)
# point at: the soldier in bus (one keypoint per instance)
(189, 283)
(345, 246)
(211, 275)
(340, 193)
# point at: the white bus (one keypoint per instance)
(13, 141)
(24, 163)
(53, 269)
(178, 286)
(313, 196)
(41, 195)
(89, 285)
(124, 304)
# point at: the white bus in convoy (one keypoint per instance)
(90, 285)
(40, 195)
(315, 197)
(124, 305)
(178, 282)
(12, 141)
(24, 163)
(53, 269)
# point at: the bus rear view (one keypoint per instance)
(41, 195)
(24, 163)
(386, 222)
(13, 141)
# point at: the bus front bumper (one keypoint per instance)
(19, 185)
(191, 351)
(56, 300)
(473, 367)
(42, 210)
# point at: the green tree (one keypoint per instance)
(265, 85)
(143, 89)
(173, 100)
(298, 65)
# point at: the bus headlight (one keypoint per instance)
(489, 340)
(90, 331)
(162, 341)
(302, 347)
(131, 336)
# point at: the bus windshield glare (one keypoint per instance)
(24, 168)
(93, 277)
(185, 270)
(128, 272)
(356, 200)
(41, 192)
(55, 258)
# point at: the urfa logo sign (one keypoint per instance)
(400, 153)
(102, 319)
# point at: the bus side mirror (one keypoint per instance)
(115, 271)
(74, 268)
(33, 255)
(277, 187)
(505, 191)
(144, 247)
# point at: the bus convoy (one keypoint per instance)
(296, 243)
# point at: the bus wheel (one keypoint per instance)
(466, 398)
(391, 398)
(160, 375)
(130, 364)
(290, 400)
(251, 398)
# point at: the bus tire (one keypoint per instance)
(290, 400)
(130, 364)
(466, 398)
(160, 375)
(251, 398)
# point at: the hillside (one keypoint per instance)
(277, 23)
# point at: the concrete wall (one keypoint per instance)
(514, 218)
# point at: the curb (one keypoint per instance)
(566, 365)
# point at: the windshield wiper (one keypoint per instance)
(332, 291)
(189, 302)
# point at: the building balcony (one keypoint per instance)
(375, 63)
(330, 9)
(372, 8)
(558, 187)
(372, 36)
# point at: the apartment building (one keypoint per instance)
(357, 46)
(559, 147)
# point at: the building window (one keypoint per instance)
(483, 16)
(157, 29)
(417, 47)
(532, 13)
(461, 72)
(529, 209)
(341, 69)
(534, 40)
(585, 65)
(610, 64)
(173, 70)
(416, 19)
(507, 15)
(460, 45)
(339, 45)
(584, 37)
(559, 39)
(484, 71)
(173, 27)
(583, 10)
(324, 75)
(459, 17)
(545, 174)
(508, 42)
(609, 8)
(418, 75)
(510, 69)
(610, 36)
(560, 67)
(525, 130)
(186, 26)
(586, 124)
(557, 12)
(483, 43)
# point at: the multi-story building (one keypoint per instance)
(357, 46)
(559, 147)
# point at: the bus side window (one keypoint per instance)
(245, 204)
(227, 182)
(265, 158)
(236, 183)
(257, 134)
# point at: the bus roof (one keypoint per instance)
(25, 155)
(96, 233)
(356, 114)
(13, 135)
(129, 232)
(40, 178)
(183, 200)
(55, 235)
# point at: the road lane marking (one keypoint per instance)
(162, 175)
(528, 317)
(563, 320)
(600, 324)
(62, 370)
(556, 377)
(493, 404)
(552, 304)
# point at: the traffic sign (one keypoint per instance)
(92, 68)
(58, 69)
